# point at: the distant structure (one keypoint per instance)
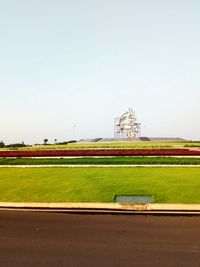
(128, 129)
(127, 126)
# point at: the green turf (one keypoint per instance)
(101, 160)
(167, 185)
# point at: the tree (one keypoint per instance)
(45, 141)
(2, 144)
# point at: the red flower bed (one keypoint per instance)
(100, 152)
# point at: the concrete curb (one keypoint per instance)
(104, 166)
(98, 206)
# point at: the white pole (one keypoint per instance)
(74, 126)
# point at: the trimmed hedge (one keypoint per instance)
(101, 152)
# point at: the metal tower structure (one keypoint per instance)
(127, 126)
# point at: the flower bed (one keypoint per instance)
(100, 152)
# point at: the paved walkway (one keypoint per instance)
(101, 166)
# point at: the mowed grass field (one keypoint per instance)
(60, 184)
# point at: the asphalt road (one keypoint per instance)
(56, 239)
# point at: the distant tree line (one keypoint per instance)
(45, 142)
(2, 145)
(67, 142)
(59, 143)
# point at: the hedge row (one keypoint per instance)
(100, 152)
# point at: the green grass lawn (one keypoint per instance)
(167, 185)
(101, 160)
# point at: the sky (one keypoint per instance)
(85, 62)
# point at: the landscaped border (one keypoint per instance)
(101, 152)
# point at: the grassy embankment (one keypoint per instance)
(98, 161)
(111, 145)
(167, 185)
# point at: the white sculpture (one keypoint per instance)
(127, 125)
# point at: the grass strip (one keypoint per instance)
(101, 160)
(167, 185)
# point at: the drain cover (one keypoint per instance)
(134, 199)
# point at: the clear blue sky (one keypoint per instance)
(85, 62)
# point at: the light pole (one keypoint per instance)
(74, 126)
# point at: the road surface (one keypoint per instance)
(34, 239)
